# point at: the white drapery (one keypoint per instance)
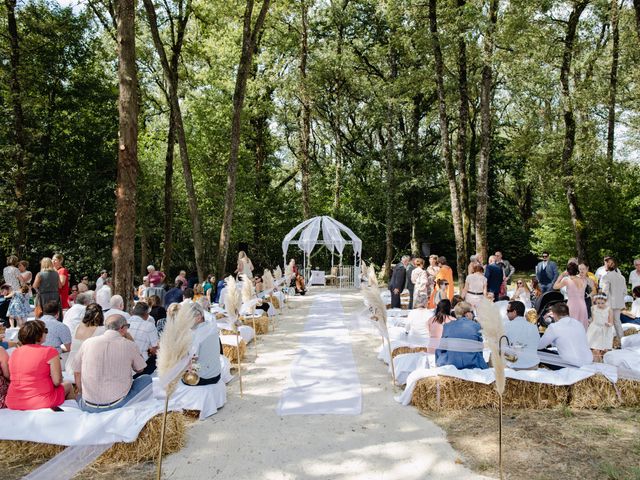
(308, 237)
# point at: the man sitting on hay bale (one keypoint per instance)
(102, 368)
(463, 328)
(523, 336)
(568, 336)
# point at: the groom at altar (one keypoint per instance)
(397, 281)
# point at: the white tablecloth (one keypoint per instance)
(317, 278)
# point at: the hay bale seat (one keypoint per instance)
(261, 323)
(274, 301)
(144, 449)
(403, 350)
(631, 331)
(450, 393)
(231, 351)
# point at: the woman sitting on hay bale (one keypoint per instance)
(441, 317)
(462, 328)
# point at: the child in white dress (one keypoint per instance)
(600, 332)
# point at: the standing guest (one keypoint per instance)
(85, 281)
(495, 277)
(11, 273)
(546, 273)
(4, 376)
(466, 329)
(25, 275)
(58, 334)
(156, 278)
(575, 293)
(523, 335)
(602, 269)
(174, 295)
(209, 288)
(568, 336)
(422, 281)
(47, 284)
(522, 294)
(536, 291)
(591, 285)
(634, 276)
(145, 335)
(473, 261)
(600, 331)
(220, 286)
(507, 269)
(244, 267)
(397, 281)
(445, 272)
(103, 297)
(36, 372)
(475, 286)
(91, 325)
(439, 293)
(615, 287)
(409, 285)
(433, 267)
(102, 368)
(182, 277)
(73, 317)
(63, 278)
(435, 325)
(19, 308)
(101, 279)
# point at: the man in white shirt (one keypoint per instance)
(523, 336)
(75, 314)
(116, 305)
(634, 276)
(614, 286)
(145, 335)
(568, 336)
(101, 279)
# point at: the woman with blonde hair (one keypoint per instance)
(47, 283)
(423, 282)
(475, 286)
(245, 267)
(522, 294)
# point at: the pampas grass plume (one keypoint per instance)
(267, 279)
(492, 331)
(175, 343)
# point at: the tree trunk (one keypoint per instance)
(482, 194)
(415, 245)
(20, 157)
(463, 122)
(305, 128)
(125, 228)
(577, 219)
(144, 251)
(168, 198)
(613, 80)
(445, 147)
(249, 42)
(390, 214)
(171, 77)
(636, 7)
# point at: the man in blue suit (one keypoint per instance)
(398, 280)
(546, 273)
(494, 275)
(465, 328)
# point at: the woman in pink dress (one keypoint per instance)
(575, 293)
(436, 323)
(36, 373)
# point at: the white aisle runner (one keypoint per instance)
(323, 378)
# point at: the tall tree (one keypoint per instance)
(170, 69)
(20, 157)
(250, 34)
(125, 228)
(486, 88)
(445, 145)
(567, 166)
(613, 78)
(636, 7)
(305, 120)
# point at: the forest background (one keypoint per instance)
(466, 125)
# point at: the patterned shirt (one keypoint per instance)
(58, 333)
(144, 333)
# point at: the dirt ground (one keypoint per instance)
(548, 444)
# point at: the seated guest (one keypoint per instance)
(441, 317)
(142, 289)
(300, 287)
(74, 293)
(219, 287)
(103, 297)
(145, 335)
(418, 318)
(73, 317)
(198, 292)
(174, 295)
(58, 334)
(6, 296)
(82, 288)
(92, 325)
(36, 372)
(258, 284)
(102, 368)
(523, 335)
(4, 376)
(157, 310)
(116, 307)
(206, 343)
(462, 328)
(568, 336)
(633, 315)
(187, 295)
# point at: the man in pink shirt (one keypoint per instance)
(102, 368)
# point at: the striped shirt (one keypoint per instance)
(144, 333)
(105, 363)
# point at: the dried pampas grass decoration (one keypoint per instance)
(247, 289)
(232, 301)
(174, 345)
(492, 332)
(267, 279)
(372, 277)
(378, 314)
(277, 273)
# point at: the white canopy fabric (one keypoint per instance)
(332, 238)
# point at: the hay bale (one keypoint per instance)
(593, 392)
(455, 394)
(631, 331)
(145, 448)
(402, 350)
(231, 351)
(522, 394)
(261, 323)
(274, 301)
(629, 392)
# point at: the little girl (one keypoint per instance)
(19, 309)
(600, 332)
